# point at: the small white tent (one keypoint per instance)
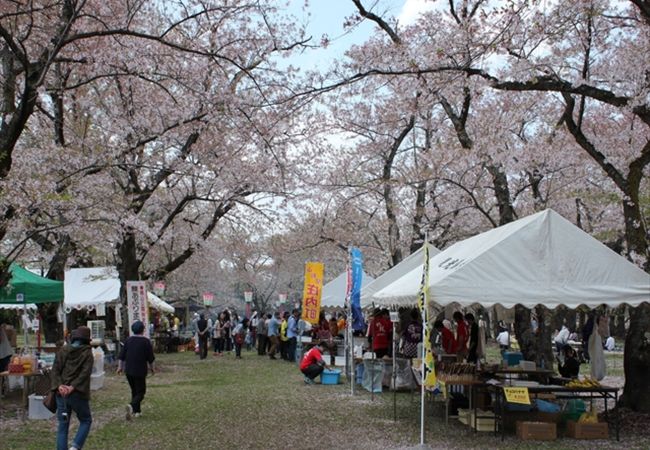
(93, 286)
(540, 259)
(333, 294)
(415, 261)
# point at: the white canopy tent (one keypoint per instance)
(540, 259)
(414, 261)
(333, 294)
(89, 287)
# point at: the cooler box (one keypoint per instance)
(330, 376)
(512, 358)
(96, 381)
(36, 408)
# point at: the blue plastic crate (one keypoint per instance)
(513, 358)
(330, 376)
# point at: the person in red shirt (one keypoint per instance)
(462, 335)
(380, 333)
(448, 341)
(312, 364)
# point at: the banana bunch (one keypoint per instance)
(587, 382)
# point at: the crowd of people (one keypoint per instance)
(274, 334)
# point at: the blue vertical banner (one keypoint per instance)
(356, 267)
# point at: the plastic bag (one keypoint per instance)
(589, 417)
(598, 368)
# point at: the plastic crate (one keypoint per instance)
(36, 408)
(330, 376)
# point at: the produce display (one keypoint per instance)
(587, 382)
(23, 364)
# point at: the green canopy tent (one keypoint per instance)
(26, 287)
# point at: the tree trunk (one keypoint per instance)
(534, 347)
(128, 267)
(619, 329)
(636, 393)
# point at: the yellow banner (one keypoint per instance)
(423, 302)
(517, 395)
(312, 292)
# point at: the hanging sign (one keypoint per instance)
(136, 296)
(312, 292)
(208, 298)
(517, 395)
(159, 288)
(248, 296)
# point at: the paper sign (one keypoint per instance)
(517, 395)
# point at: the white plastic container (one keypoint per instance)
(339, 361)
(96, 381)
(15, 382)
(36, 408)
(98, 360)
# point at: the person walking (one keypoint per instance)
(262, 331)
(70, 380)
(203, 332)
(136, 354)
(284, 339)
(219, 331)
(472, 350)
(227, 328)
(292, 334)
(274, 332)
(239, 336)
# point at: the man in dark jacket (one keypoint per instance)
(134, 357)
(203, 332)
(70, 378)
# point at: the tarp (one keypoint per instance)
(540, 259)
(91, 286)
(333, 294)
(30, 288)
(414, 261)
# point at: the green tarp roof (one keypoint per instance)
(31, 287)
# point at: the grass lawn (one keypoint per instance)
(256, 403)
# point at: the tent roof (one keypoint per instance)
(158, 303)
(540, 259)
(91, 286)
(333, 294)
(34, 289)
(414, 261)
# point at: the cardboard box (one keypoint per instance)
(578, 430)
(536, 431)
(511, 418)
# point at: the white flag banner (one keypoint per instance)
(136, 296)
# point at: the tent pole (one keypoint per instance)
(422, 381)
(394, 374)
